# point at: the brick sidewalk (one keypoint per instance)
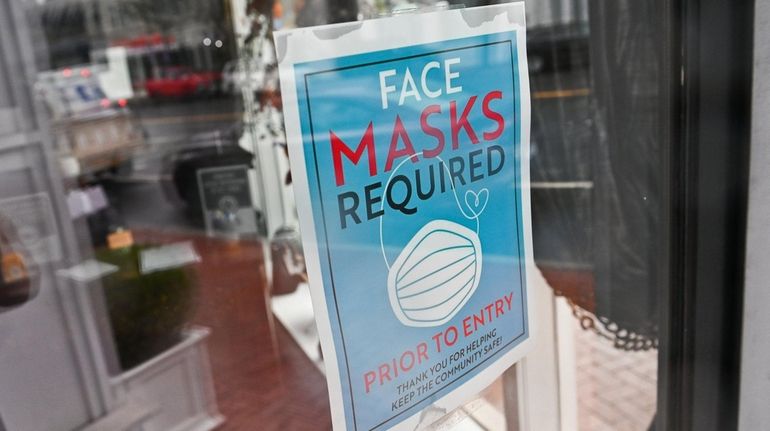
(616, 388)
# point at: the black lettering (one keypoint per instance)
(442, 170)
(456, 167)
(498, 149)
(425, 195)
(372, 201)
(348, 211)
(400, 206)
(474, 164)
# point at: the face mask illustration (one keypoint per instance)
(438, 270)
(435, 274)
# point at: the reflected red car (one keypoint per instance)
(183, 82)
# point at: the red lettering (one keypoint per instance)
(339, 148)
(436, 338)
(478, 319)
(498, 307)
(399, 132)
(508, 298)
(369, 379)
(432, 131)
(492, 115)
(452, 330)
(407, 354)
(489, 311)
(461, 123)
(384, 373)
(390, 371)
(422, 352)
(467, 326)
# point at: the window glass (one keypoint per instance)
(153, 272)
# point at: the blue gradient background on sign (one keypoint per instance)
(354, 273)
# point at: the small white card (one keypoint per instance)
(168, 256)
(87, 271)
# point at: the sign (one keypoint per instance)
(226, 200)
(409, 148)
(120, 239)
(168, 256)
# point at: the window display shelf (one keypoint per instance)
(177, 381)
(295, 312)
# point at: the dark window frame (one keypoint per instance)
(708, 60)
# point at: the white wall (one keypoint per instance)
(755, 363)
(42, 379)
(39, 377)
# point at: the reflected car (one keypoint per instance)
(178, 82)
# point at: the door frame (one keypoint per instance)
(708, 119)
(705, 116)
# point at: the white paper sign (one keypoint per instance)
(409, 148)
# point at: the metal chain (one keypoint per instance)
(621, 338)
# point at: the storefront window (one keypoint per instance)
(154, 275)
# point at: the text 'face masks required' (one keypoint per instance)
(413, 169)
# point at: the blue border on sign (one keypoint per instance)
(304, 71)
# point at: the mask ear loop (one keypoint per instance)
(474, 215)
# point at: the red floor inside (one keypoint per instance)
(263, 380)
